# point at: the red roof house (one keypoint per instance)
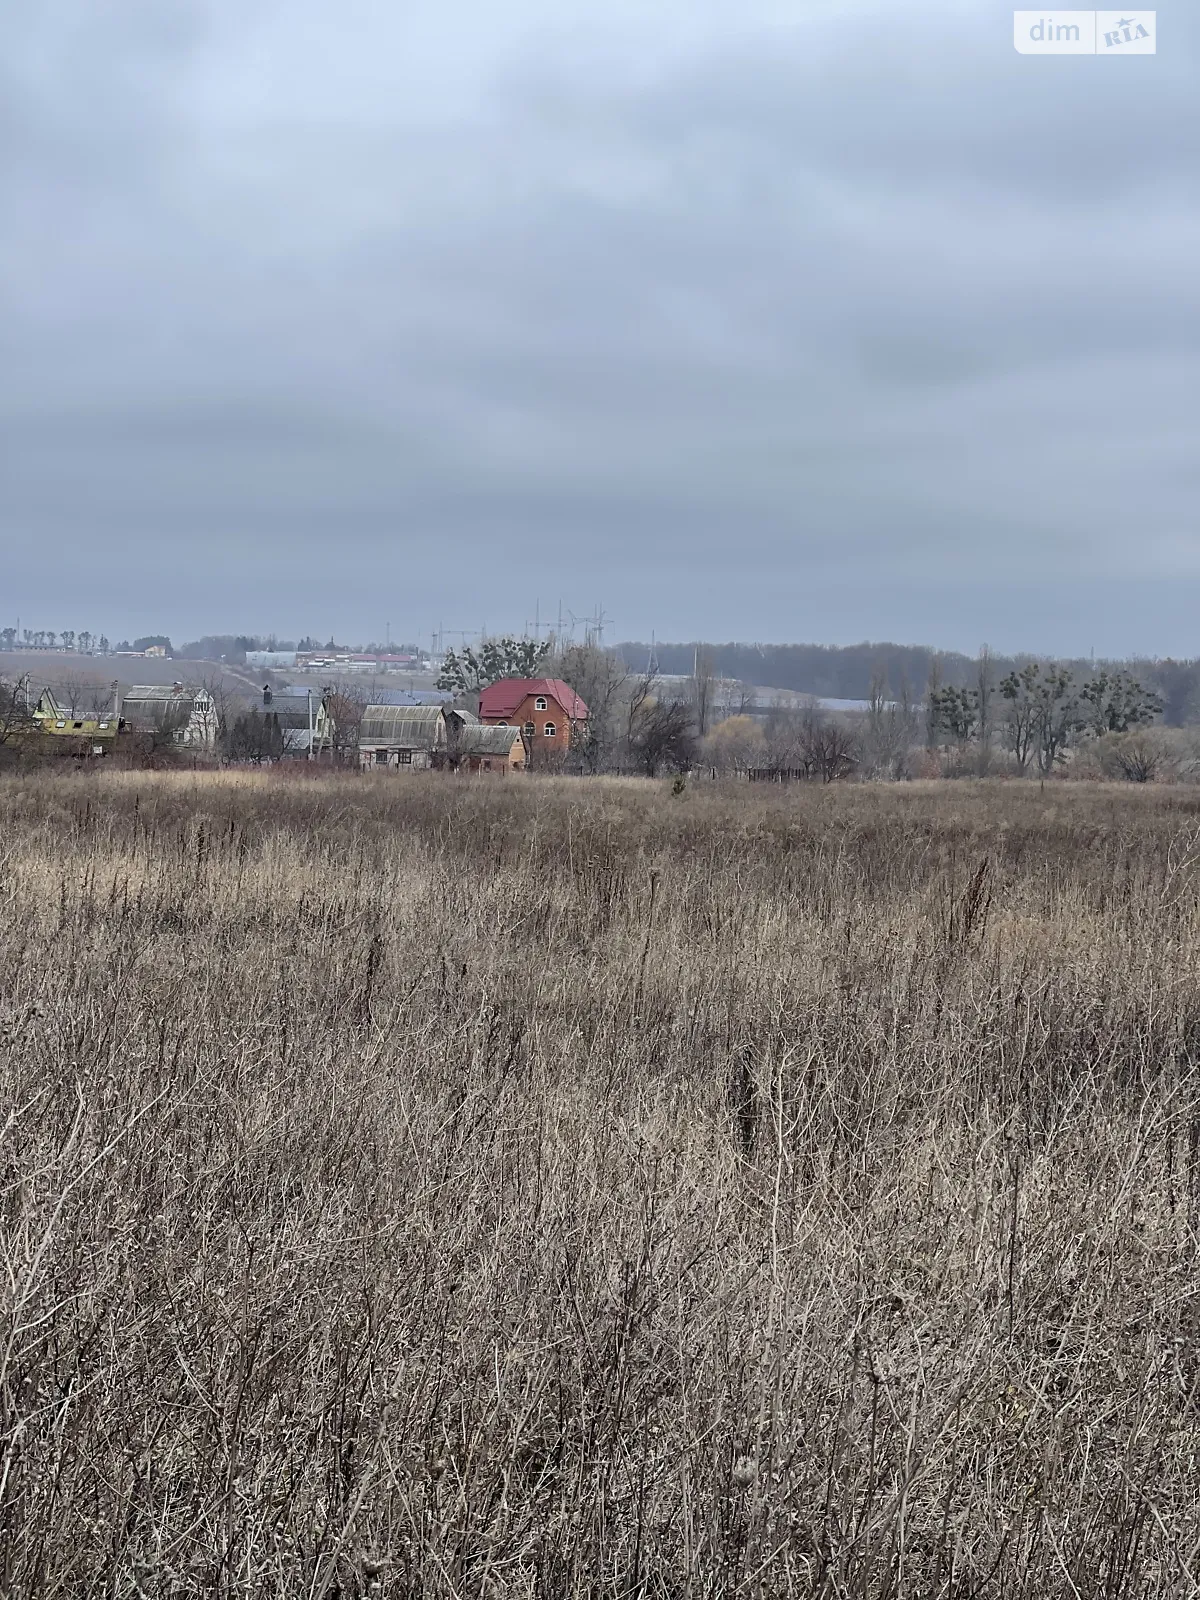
(545, 709)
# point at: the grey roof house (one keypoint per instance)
(187, 714)
(302, 718)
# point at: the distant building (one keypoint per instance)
(186, 715)
(268, 659)
(353, 661)
(546, 710)
(411, 697)
(426, 736)
(91, 735)
(292, 722)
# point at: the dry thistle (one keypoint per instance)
(373, 1565)
(745, 1472)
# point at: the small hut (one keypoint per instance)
(485, 749)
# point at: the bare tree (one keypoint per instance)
(735, 744)
(254, 735)
(889, 729)
(1138, 756)
(346, 705)
(703, 688)
(16, 721)
(663, 736)
(733, 698)
(832, 750)
(984, 698)
(71, 691)
(1021, 713)
(788, 733)
(641, 698)
(101, 700)
(932, 692)
(601, 679)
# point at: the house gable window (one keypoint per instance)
(540, 703)
(551, 730)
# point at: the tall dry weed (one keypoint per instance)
(535, 1188)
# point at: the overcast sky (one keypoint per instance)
(754, 319)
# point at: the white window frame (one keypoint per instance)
(551, 730)
(540, 703)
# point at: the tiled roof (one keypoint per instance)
(501, 699)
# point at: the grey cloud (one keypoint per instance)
(747, 329)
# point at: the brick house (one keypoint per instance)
(546, 710)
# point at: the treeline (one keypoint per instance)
(847, 672)
(835, 672)
(233, 647)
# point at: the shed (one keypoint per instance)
(492, 749)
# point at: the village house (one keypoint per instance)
(298, 721)
(182, 715)
(436, 736)
(92, 735)
(546, 710)
(408, 736)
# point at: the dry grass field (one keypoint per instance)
(448, 1188)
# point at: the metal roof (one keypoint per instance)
(153, 703)
(485, 741)
(409, 727)
(292, 713)
(164, 691)
(411, 697)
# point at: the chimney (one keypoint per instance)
(266, 694)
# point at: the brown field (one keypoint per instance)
(449, 1188)
(89, 678)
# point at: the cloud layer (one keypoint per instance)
(767, 321)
